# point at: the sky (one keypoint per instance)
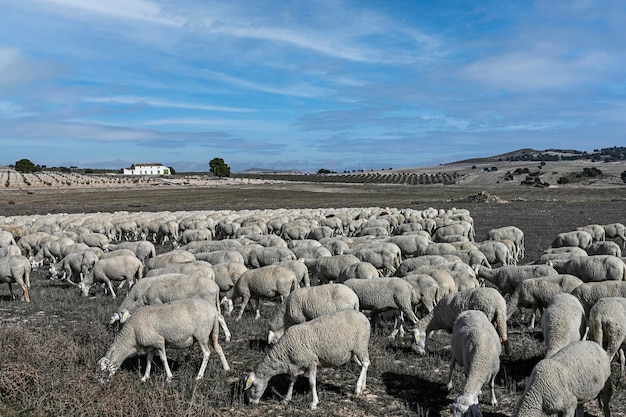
(307, 84)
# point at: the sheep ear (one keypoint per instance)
(250, 380)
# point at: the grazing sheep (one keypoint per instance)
(161, 289)
(409, 244)
(428, 291)
(305, 304)
(463, 275)
(595, 230)
(536, 293)
(496, 252)
(176, 325)
(178, 256)
(220, 256)
(475, 344)
(607, 326)
(6, 239)
(508, 277)
(269, 255)
(547, 257)
(264, 282)
(194, 235)
(589, 293)
(386, 256)
(94, 240)
(360, 270)
(383, 294)
(16, 269)
(411, 264)
(616, 230)
(118, 268)
(74, 265)
(487, 300)
(299, 268)
(193, 268)
(118, 252)
(563, 322)
(511, 233)
(561, 384)
(10, 250)
(329, 340)
(438, 249)
(143, 249)
(444, 279)
(310, 252)
(328, 268)
(473, 257)
(604, 248)
(578, 238)
(592, 268)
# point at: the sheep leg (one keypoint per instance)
(312, 385)
(452, 364)
(146, 375)
(622, 360)
(292, 382)
(163, 357)
(217, 348)
(205, 358)
(361, 383)
(494, 400)
(257, 314)
(11, 291)
(222, 323)
(244, 303)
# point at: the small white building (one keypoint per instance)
(147, 169)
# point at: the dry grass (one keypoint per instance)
(50, 346)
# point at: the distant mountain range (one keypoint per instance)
(528, 154)
(256, 170)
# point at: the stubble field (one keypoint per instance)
(50, 346)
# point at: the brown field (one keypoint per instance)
(50, 346)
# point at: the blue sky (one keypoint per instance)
(332, 84)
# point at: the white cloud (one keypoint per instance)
(152, 102)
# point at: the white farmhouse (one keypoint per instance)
(147, 169)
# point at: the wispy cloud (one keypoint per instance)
(148, 101)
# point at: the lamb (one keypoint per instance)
(508, 277)
(118, 268)
(561, 384)
(563, 322)
(511, 233)
(578, 238)
(177, 324)
(383, 294)
(487, 300)
(305, 304)
(592, 268)
(16, 269)
(166, 288)
(607, 326)
(330, 340)
(589, 293)
(475, 344)
(264, 282)
(536, 293)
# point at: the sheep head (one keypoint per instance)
(465, 406)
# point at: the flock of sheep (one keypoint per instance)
(422, 269)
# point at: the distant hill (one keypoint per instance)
(528, 154)
(256, 170)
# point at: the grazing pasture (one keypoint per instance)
(50, 346)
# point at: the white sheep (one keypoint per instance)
(475, 344)
(589, 293)
(328, 268)
(220, 256)
(269, 255)
(329, 340)
(143, 249)
(360, 270)
(118, 268)
(305, 304)
(385, 256)
(616, 230)
(411, 264)
(174, 256)
(16, 269)
(175, 325)
(578, 238)
(487, 300)
(563, 322)
(511, 233)
(607, 326)
(561, 384)
(604, 248)
(428, 291)
(169, 287)
(264, 282)
(592, 268)
(382, 294)
(74, 265)
(496, 252)
(508, 277)
(536, 293)
(595, 230)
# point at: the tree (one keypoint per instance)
(219, 168)
(25, 165)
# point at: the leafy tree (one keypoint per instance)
(25, 165)
(219, 168)
(324, 171)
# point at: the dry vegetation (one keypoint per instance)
(50, 346)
